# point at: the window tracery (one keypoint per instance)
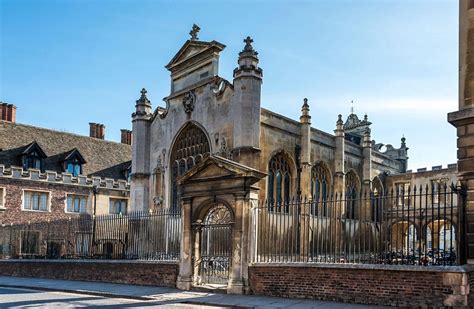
(190, 148)
(320, 186)
(279, 182)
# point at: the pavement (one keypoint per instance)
(58, 293)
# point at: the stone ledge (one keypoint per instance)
(441, 269)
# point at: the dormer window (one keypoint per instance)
(74, 168)
(73, 162)
(32, 160)
(32, 157)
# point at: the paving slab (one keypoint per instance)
(169, 295)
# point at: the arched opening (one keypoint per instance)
(279, 183)
(214, 238)
(320, 188)
(190, 147)
(352, 186)
(376, 200)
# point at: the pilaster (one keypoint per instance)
(339, 157)
(184, 281)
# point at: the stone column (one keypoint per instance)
(185, 264)
(141, 120)
(463, 120)
(366, 173)
(305, 193)
(235, 285)
(339, 156)
(339, 178)
(197, 251)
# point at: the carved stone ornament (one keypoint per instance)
(188, 101)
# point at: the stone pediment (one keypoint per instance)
(216, 168)
(193, 48)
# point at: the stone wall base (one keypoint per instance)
(128, 272)
(403, 286)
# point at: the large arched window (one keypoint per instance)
(190, 148)
(320, 186)
(352, 190)
(279, 182)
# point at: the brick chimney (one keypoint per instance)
(126, 136)
(7, 112)
(97, 130)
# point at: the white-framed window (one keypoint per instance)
(35, 200)
(117, 206)
(76, 203)
(2, 197)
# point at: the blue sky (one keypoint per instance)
(67, 63)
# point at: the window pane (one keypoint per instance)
(44, 201)
(76, 204)
(83, 205)
(35, 201)
(77, 169)
(278, 188)
(69, 203)
(37, 164)
(271, 184)
(27, 200)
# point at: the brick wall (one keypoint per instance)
(373, 285)
(130, 272)
(14, 194)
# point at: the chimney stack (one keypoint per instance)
(7, 112)
(126, 136)
(97, 130)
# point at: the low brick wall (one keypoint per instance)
(405, 286)
(130, 272)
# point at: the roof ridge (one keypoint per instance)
(62, 132)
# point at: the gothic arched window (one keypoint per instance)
(190, 147)
(352, 190)
(320, 186)
(376, 199)
(279, 182)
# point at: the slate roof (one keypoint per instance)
(103, 158)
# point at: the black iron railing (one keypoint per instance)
(134, 236)
(409, 226)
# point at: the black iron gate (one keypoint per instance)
(216, 246)
(215, 253)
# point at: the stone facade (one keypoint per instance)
(463, 120)
(214, 144)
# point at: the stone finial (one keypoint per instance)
(339, 126)
(367, 142)
(305, 107)
(366, 118)
(403, 139)
(194, 32)
(143, 106)
(143, 98)
(248, 44)
(305, 117)
(248, 61)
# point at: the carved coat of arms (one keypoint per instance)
(189, 101)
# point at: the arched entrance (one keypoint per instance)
(212, 258)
